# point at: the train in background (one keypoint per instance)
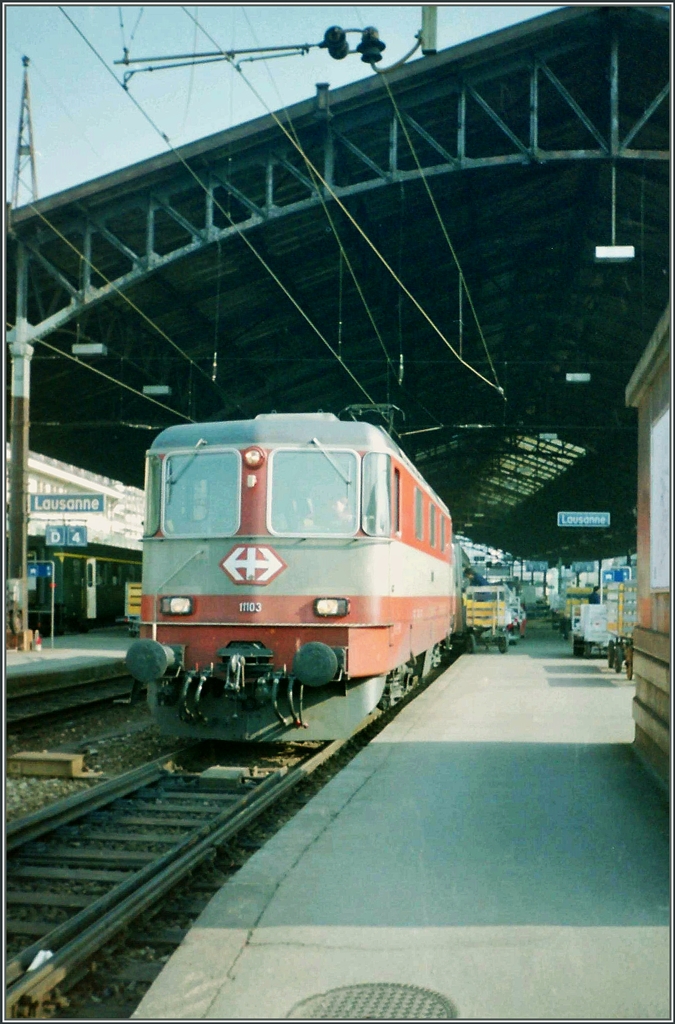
(90, 585)
(298, 572)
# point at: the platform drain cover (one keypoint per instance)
(375, 1002)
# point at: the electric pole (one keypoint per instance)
(25, 151)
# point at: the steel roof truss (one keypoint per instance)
(642, 121)
(385, 175)
(571, 102)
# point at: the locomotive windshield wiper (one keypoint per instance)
(347, 479)
(170, 480)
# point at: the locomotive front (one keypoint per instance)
(262, 615)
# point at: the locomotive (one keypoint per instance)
(298, 571)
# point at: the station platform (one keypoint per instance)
(78, 657)
(497, 852)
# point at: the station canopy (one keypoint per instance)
(423, 239)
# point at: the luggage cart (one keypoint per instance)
(589, 630)
(621, 600)
(486, 612)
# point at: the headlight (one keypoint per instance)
(176, 605)
(254, 457)
(331, 606)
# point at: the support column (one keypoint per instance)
(21, 352)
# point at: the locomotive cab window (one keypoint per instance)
(201, 494)
(314, 492)
(153, 477)
(419, 514)
(376, 519)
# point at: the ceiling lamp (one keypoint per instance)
(577, 378)
(614, 253)
(156, 389)
(88, 349)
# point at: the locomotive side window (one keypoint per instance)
(442, 532)
(432, 525)
(201, 494)
(153, 476)
(419, 514)
(314, 492)
(376, 519)
(397, 501)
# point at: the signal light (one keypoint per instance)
(371, 46)
(335, 41)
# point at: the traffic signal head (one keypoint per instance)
(335, 41)
(371, 46)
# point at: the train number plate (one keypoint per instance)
(252, 564)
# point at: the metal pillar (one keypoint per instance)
(25, 150)
(21, 352)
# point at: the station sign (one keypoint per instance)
(66, 536)
(583, 518)
(37, 570)
(583, 566)
(536, 566)
(619, 575)
(80, 503)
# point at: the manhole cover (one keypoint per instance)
(375, 1002)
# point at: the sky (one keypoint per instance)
(85, 125)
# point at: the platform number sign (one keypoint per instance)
(66, 536)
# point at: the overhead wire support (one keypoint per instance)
(330, 191)
(25, 148)
(242, 234)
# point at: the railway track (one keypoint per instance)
(60, 699)
(78, 872)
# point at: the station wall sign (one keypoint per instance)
(619, 575)
(39, 569)
(583, 567)
(583, 518)
(66, 536)
(67, 503)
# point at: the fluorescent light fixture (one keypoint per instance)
(614, 253)
(156, 389)
(578, 378)
(90, 349)
(548, 437)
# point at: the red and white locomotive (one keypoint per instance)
(297, 572)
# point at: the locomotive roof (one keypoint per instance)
(279, 428)
(286, 428)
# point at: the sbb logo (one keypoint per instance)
(252, 564)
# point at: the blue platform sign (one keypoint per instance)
(620, 575)
(66, 536)
(583, 518)
(584, 566)
(76, 536)
(536, 566)
(80, 503)
(37, 569)
(55, 536)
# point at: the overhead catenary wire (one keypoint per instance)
(242, 234)
(315, 177)
(462, 280)
(349, 216)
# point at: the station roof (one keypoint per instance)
(260, 270)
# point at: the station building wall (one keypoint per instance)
(649, 391)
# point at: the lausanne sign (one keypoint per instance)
(583, 518)
(67, 503)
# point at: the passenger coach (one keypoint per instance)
(296, 571)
